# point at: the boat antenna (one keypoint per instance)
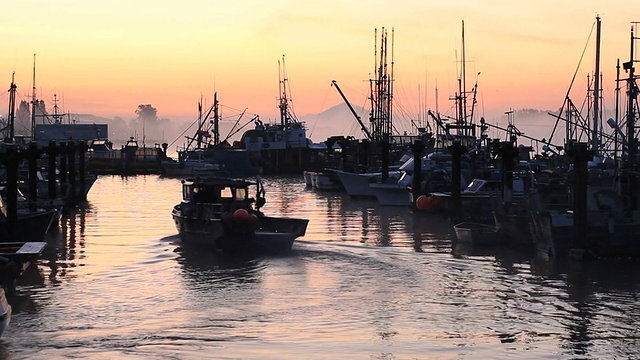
(216, 120)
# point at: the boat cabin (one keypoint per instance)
(216, 191)
(484, 186)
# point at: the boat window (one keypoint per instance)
(474, 186)
(185, 193)
(241, 194)
(206, 194)
(226, 193)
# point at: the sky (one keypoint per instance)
(107, 57)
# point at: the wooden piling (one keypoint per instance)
(416, 182)
(32, 158)
(11, 162)
(579, 155)
(52, 152)
(457, 149)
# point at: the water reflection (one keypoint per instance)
(365, 282)
(602, 303)
(66, 242)
(208, 269)
(335, 217)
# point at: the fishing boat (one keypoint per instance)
(131, 158)
(601, 217)
(193, 164)
(322, 180)
(28, 223)
(224, 214)
(282, 147)
(206, 153)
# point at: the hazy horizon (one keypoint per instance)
(106, 59)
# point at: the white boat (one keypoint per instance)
(478, 234)
(193, 165)
(308, 178)
(394, 193)
(324, 180)
(357, 185)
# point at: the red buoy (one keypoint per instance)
(421, 202)
(242, 216)
(428, 203)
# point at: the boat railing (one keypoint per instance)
(216, 210)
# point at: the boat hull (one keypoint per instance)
(391, 194)
(267, 235)
(478, 234)
(30, 226)
(175, 168)
(554, 235)
(356, 185)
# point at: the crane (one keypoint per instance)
(364, 128)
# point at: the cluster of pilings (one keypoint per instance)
(66, 166)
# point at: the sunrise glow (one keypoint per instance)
(105, 58)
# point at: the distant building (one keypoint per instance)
(65, 132)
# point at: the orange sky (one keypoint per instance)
(106, 57)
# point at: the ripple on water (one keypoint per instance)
(117, 282)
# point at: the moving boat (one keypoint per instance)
(219, 213)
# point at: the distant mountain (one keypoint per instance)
(335, 121)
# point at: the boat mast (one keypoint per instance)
(463, 90)
(632, 91)
(596, 93)
(216, 120)
(199, 137)
(12, 108)
(283, 101)
(381, 92)
(33, 101)
(57, 117)
(630, 191)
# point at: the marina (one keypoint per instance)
(364, 281)
(442, 233)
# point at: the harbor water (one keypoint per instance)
(365, 282)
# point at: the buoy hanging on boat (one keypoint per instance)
(429, 203)
(242, 216)
(421, 202)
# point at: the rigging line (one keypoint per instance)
(322, 105)
(239, 111)
(584, 50)
(184, 132)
